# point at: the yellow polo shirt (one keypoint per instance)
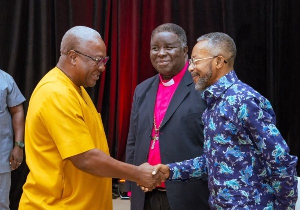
(62, 122)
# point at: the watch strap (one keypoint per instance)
(19, 144)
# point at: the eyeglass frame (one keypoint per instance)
(193, 62)
(100, 61)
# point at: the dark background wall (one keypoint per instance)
(265, 31)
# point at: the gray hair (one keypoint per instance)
(173, 28)
(220, 44)
(77, 36)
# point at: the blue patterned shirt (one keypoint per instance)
(246, 159)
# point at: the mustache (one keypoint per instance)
(195, 74)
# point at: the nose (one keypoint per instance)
(191, 68)
(161, 51)
(101, 68)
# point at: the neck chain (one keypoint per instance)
(156, 133)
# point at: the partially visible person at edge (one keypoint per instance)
(246, 159)
(165, 124)
(66, 147)
(11, 133)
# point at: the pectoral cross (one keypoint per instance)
(154, 138)
(156, 133)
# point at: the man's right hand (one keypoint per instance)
(163, 170)
(159, 173)
(150, 177)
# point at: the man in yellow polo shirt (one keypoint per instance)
(66, 148)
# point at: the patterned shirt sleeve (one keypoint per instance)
(188, 169)
(258, 118)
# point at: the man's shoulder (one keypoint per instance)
(6, 76)
(243, 91)
(4, 73)
(146, 84)
(149, 80)
(53, 86)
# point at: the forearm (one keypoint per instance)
(188, 169)
(16, 156)
(98, 163)
(18, 122)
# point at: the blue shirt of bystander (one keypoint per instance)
(10, 96)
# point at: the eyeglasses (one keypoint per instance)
(192, 61)
(100, 61)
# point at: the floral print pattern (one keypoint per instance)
(246, 159)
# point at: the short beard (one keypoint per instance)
(202, 82)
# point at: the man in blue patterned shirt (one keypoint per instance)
(245, 156)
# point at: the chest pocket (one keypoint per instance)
(2, 100)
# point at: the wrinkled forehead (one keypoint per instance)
(201, 48)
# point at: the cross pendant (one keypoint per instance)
(154, 140)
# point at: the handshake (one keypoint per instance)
(151, 176)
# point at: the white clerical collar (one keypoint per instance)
(169, 83)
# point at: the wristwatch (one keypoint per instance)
(20, 144)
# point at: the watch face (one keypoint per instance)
(20, 144)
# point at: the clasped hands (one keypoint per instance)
(152, 176)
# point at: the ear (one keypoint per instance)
(72, 57)
(219, 62)
(185, 50)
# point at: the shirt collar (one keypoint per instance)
(218, 88)
(176, 78)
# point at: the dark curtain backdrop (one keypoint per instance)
(265, 31)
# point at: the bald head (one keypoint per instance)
(76, 37)
(81, 51)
